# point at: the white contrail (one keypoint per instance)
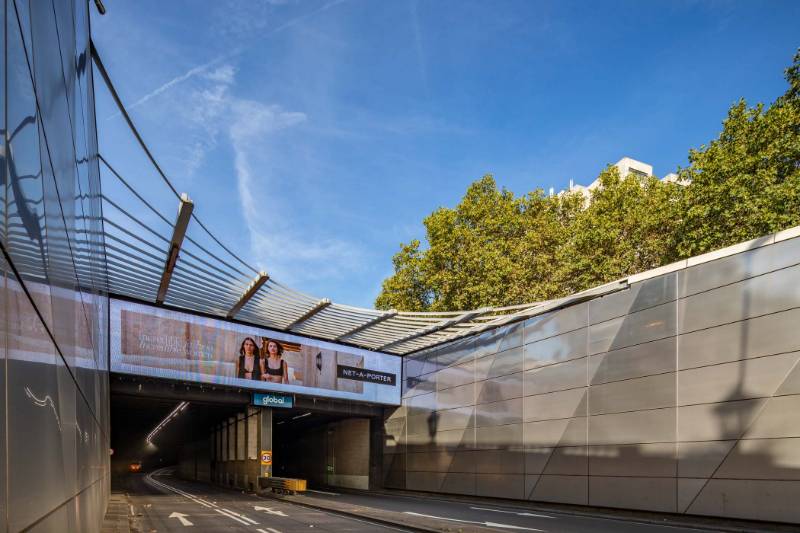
(205, 66)
(171, 83)
(174, 81)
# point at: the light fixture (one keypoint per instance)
(301, 416)
(175, 412)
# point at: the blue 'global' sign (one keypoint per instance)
(270, 399)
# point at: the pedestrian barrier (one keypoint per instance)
(282, 485)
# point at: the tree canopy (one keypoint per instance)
(495, 248)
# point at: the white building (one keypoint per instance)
(626, 166)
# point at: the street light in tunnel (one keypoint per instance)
(174, 413)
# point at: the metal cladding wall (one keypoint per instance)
(54, 414)
(679, 394)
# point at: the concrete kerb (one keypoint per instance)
(642, 517)
(367, 514)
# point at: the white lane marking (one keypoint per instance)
(323, 492)
(487, 524)
(182, 493)
(512, 512)
(223, 513)
(182, 518)
(272, 530)
(269, 510)
(243, 517)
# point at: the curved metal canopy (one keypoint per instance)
(154, 258)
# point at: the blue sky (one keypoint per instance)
(314, 136)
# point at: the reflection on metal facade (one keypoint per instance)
(53, 347)
(679, 394)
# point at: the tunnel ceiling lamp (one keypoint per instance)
(251, 291)
(319, 306)
(465, 317)
(175, 412)
(178, 233)
(374, 322)
(301, 416)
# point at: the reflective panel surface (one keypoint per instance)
(674, 395)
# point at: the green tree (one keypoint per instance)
(498, 249)
(548, 222)
(470, 259)
(746, 182)
(629, 226)
(406, 289)
(492, 249)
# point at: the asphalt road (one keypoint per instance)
(455, 513)
(162, 503)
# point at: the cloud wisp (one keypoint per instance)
(208, 114)
(278, 241)
(203, 68)
(192, 72)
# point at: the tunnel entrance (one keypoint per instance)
(216, 434)
(326, 449)
(153, 426)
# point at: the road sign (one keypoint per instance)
(266, 457)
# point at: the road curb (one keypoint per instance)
(368, 516)
(670, 520)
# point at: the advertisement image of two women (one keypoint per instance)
(276, 361)
(262, 364)
(169, 344)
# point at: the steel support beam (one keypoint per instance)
(178, 233)
(251, 290)
(319, 306)
(375, 321)
(465, 317)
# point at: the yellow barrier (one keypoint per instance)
(284, 485)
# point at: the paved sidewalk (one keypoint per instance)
(118, 514)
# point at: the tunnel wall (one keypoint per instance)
(234, 451)
(349, 450)
(194, 461)
(679, 394)
(54, 412)
(334, 454)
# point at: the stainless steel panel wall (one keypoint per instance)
(55, 425)
(679, 394)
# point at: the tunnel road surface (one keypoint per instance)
(457, 515)
(162, 503)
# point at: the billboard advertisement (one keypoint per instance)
(157, 342)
